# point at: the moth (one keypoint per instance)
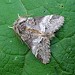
(37, 33)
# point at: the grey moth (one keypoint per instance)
(37, 33)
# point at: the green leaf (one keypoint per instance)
(15, 56)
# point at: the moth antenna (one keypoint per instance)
(10, 27)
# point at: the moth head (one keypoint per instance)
(19, 25)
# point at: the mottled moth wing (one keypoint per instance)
(52, 23)
(41, 49)
(36, 32)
